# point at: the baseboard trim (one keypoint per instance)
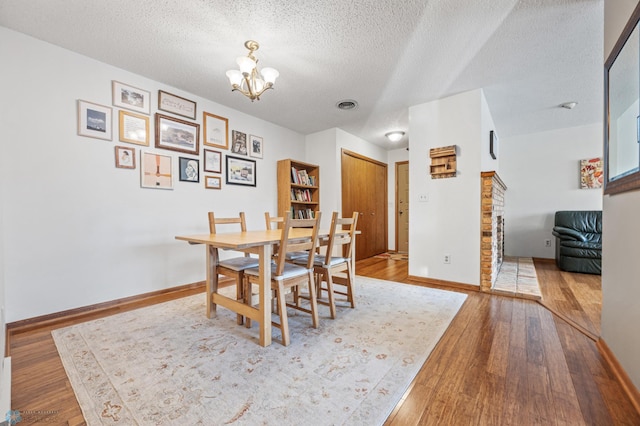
(49, 320)
(443, 284)
(622, 376)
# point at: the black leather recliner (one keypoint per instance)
(579, 241)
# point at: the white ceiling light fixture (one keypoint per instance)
(395, 136)
(569, 105)
(249, 81)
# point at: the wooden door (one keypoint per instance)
(402, 207)
(364, 189)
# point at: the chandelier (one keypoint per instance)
(249, 81)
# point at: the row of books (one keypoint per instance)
(301, 195)
(303, 213)
(301, 177)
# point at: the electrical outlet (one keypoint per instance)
(423, 198)
(447, 258)
(547, 243)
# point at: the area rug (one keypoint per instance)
(167, 364)
(393, 256)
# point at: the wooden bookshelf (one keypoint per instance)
(443, 162)
(298, 189)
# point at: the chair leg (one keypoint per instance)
(332, 301)
(282, 310)
(350, 296)
(247, 299)
(240, 295)
(313, 300)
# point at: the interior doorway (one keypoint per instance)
(364, 190)
(402, 207)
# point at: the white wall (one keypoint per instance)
(449, 222)
(393, 156)
(542, 174)
(77, 230)
(620, 251)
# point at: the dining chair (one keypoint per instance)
(288, 277)
(233, 267)
(326, 265)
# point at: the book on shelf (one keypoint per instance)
(301, 177)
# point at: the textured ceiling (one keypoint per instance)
(529, 56)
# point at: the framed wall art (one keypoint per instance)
(189, 169)
(493, 144)
(134, 128)
(239, 143)
(216, 130)
(256, 146)
(94, 120)
(240, 171)
(177, 135)
(125, 157)
(129, 97)
(213, 182)
(155, 171)
(591, 173)
(212, 161)
(176, 105)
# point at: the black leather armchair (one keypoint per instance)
(579, 241)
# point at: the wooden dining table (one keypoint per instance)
(257, 242)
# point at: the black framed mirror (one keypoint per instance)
(622, 111)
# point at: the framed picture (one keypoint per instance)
(591, 173)
(176, 105)
(189, 169)
(155, 171)
(134, 128)
(216, 130)
(213, 182)
(239, 143)
(94, 120)
(177, 135)
(241, 171)
(212, 161)
(256, 146)
(493, 144)
(125, 157)
(129, 97)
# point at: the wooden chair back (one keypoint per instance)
(306, 244)
(213, 221)
(272, 220)
(344, 240)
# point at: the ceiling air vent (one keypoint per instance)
(347, 105)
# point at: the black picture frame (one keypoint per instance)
(240, 171)
(493, 144)
(189, 169)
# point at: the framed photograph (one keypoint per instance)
(134, 128)
(125, 157)
(493, 144)
(213, 182)
(255, 146)
(155, 171)
(177, 135)
(189, 169)
(176, 105)
(216, 130)
(129, 97)
(94, 120)
(241, 171)
(212, 161)
(239, 143)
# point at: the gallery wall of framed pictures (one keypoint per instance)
(180, 153)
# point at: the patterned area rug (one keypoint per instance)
(168, 364)
(393, 256)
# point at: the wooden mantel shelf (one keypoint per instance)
(493, 174)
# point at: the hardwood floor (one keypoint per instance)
(502, 361)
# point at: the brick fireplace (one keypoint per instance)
(492, 229)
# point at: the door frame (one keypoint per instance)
(396, 201)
